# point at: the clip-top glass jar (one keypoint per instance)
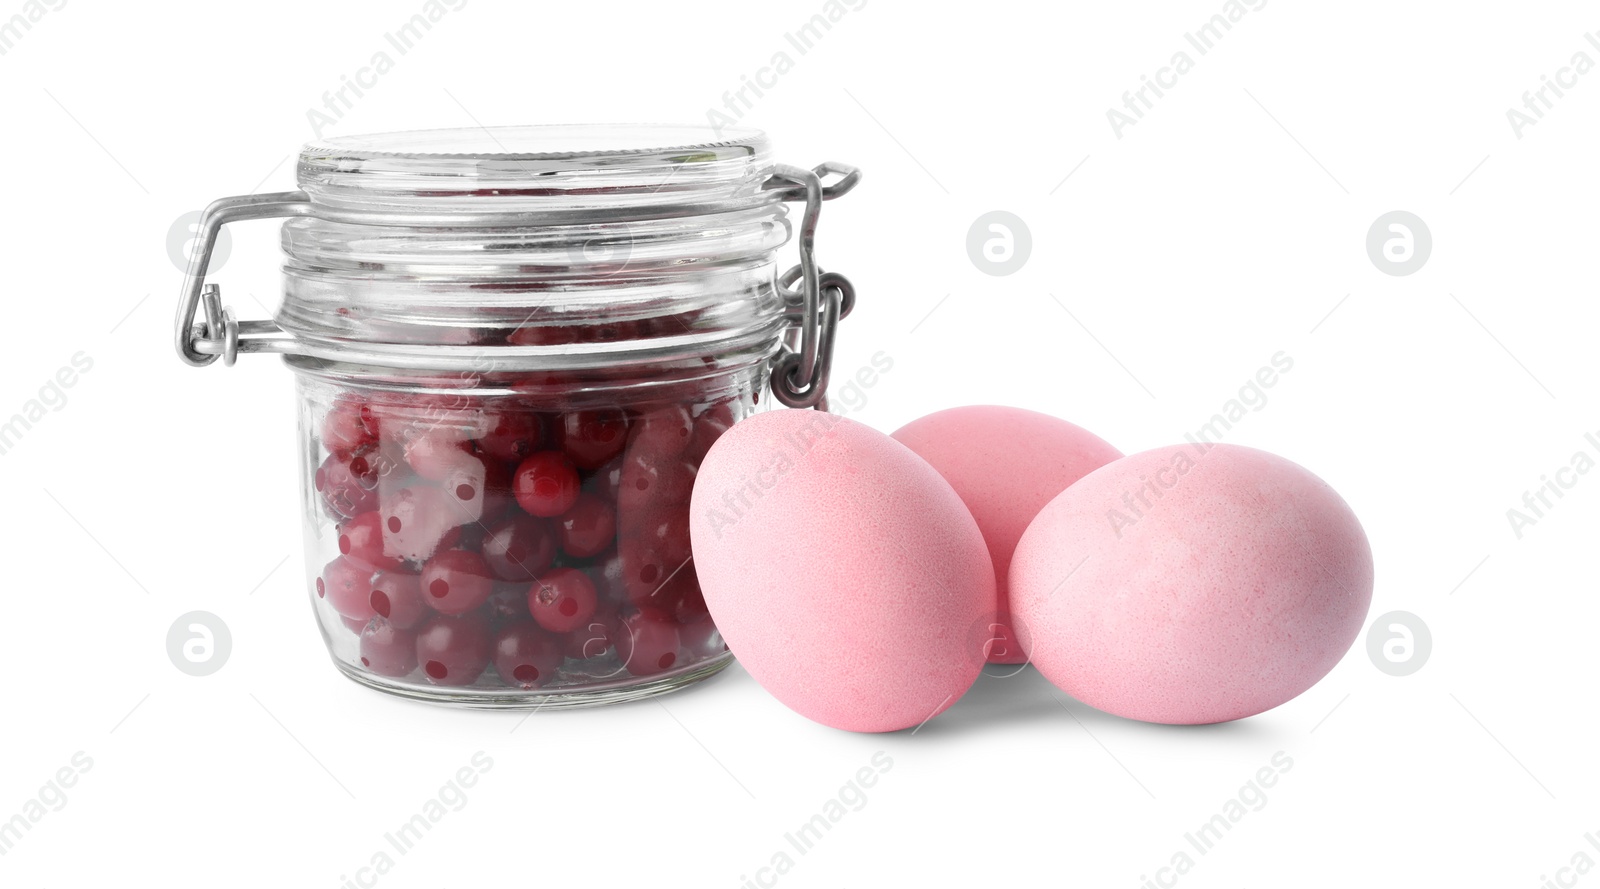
(513, 347)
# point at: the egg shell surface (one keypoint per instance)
(1191, 584)
(843, 571)
(1006, 463)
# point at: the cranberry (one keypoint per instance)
(344, 584)
(724, 413)
(526, 656)
(664, 530)
(348, 482)
(513, 435)
(691, 606)
(453, 650)
(664, 432)
(649, 580)
(562, 600)
(521, 549)
(594, 637)
(417, 521)
(508, 603)
(700, 639)
(398, 598)
(606, 481)
(593, 437)
(588, 528)
(361, 540)
(456, 581)
(707, 429)
(646, 645)
(498, 498)
(353, 625)
(606, 573)
(546, 484)
(388, 650)
(348, 427)
(647, 479)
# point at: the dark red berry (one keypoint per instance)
(546, 484)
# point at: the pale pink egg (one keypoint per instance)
(1006, 463)
(1191, 584)
(841, 569)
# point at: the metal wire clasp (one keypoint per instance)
(800, 378)
(221, 335)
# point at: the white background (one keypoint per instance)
(1226, 226)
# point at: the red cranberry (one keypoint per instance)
(700, 639)
(398, 598)
(606, 573)
(417, 521)
(664, 432)
(647, 646)
(520, 549)
(513, 435)
(453, 650)
(361, 540)
(498, 498)
(348, 482)
(664, 530)
(707, 429)
(606, 481)
(456, 581)
(593, 437)
(649, 580)
(546, 484)
(562, 599)
(588, 528)
(388, 650)
(724, 413)
(647, 480)
(344, 584)
(594, 637)
(526, 656)
(348, 427)
(691, 606)
(353, 625)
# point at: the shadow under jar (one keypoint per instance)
(513, 347)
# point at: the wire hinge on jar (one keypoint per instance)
(800, 378)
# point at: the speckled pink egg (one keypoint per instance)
(1191, 584)
(843, 571)
(1006, 463)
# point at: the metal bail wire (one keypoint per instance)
(800, 379)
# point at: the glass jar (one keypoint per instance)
(513, 347)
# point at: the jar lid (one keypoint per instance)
(545, 169)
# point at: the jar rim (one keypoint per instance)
(551, 168)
